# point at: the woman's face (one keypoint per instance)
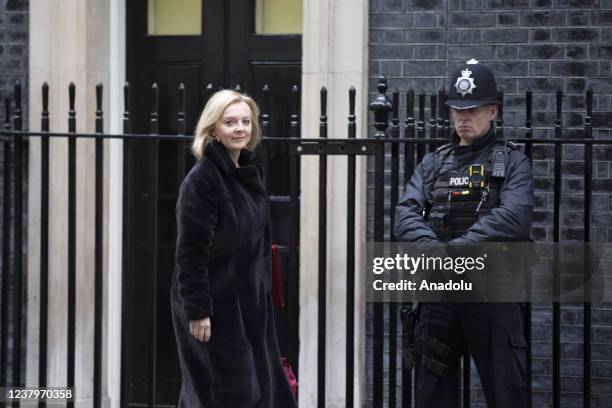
(234, 127)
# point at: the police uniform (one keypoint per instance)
(481, 192)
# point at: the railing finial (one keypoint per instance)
(381, 106)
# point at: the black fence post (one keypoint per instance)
(588, 183)
(409, 165)
(395, 135)
(18, 239)
(433, 130)
(350, 258)
(44, 242)
(125, 240)
(447, 123)
(294, 124)
(528, 124)
(381, 107)
(556, 363)
(71, 237)
(409, 135)
(264, 119)
(98, 255)
(378, 308)
(421, 128)
(322, 289)
(265, 109)
(441, 102)
(181, 130)
(294, 209)
(154, 130)
(528, 323)
(6, 222)
(180, 116)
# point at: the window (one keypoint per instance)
(278, 17)
(174, 17)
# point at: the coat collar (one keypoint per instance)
(248, 173)
(217, 152)
(478, 145)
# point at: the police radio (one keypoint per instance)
(476, 172)
(499, 161)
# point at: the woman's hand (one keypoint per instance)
(200, 329)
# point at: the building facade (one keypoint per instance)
(538, 45)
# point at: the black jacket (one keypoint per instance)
(223, 271)
(510, 221)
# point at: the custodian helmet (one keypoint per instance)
(471, 86)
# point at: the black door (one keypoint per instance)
(225, 53)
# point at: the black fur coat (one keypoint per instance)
(223, 271)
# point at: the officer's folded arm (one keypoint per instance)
(511, 221)
(409, 223)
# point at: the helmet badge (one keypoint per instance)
(465, 85)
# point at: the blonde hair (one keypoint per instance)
(212, 113)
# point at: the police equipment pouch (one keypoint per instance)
(436, 367)
(450, 358)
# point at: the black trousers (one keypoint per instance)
(491, 332)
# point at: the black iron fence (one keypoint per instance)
(394, 147)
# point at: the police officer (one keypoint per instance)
(496, 208)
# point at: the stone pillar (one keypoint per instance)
(76, 41)
(335, 55)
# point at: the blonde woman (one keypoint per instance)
(221, 306)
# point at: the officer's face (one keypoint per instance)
(472, 124)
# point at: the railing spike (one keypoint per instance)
(71, 95)
(352, 94)
(180, 117)
(323, 95)
(45, 97)
(99, 91)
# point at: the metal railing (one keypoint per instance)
(400, 145)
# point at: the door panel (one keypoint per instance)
(280, 77)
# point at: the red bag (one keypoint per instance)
(278, 290)
(290, 376)
(278, 299)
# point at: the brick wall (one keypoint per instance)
(13, 50)
(14, 67)
(540, 45)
